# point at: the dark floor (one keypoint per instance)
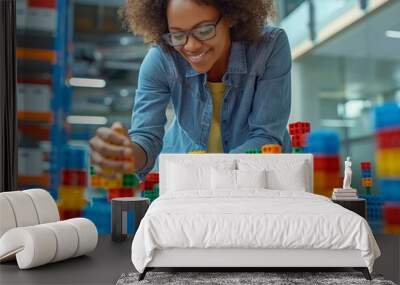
(110, 259)
(102, 266)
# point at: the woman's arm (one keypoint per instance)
(148, 117)
(271, 104)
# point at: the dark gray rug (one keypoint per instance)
(269, 278)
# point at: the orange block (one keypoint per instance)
(324, 179)
(271, 148)
(37, 54)
(366, 182)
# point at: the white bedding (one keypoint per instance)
(251, 218)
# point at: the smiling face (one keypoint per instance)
(209, 56)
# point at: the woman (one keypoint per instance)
(225, 73)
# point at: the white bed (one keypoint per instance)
(207, 222)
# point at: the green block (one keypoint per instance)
(297, 150)
(130, 180)
(92, 171)
(253, 151)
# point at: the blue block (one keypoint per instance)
(323, 142)
(374, 207)
(74, 157)
(366, 173)
(387, 115)
(99, 212)
(390, 189)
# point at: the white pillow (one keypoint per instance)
(226, 179)
(251, 178)
(281, 175)
(223, 179)
(189, 175)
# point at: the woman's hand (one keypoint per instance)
(112, 152)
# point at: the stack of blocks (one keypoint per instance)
(366, 176)
(298, 134)
(71, 195)
(102, 191)
(324, 145)
(387, 127)
(150, 186)
(374, 211)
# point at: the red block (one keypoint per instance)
(327, 163)
(391, 213)
(73, 177)
(146, 185)
(69, 214)
(365, 165)
(153, 177)
(119, 192)
(389, 138)
(297, 128)
(50, 4)
(299, 140)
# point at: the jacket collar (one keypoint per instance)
(237, 61)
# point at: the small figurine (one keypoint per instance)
(347, 174)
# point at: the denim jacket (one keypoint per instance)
(255, 109)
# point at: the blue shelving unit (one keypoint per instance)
(61, 102)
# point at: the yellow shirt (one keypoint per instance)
(217, 90)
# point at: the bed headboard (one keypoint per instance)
(210, 159)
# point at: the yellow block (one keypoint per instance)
(197, 152)
(71, 204)
(388, 162)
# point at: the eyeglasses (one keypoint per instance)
(202, 33)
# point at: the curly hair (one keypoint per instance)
(148, 18)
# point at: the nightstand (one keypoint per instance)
(358, 206)
(119, 209)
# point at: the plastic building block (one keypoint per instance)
(328, 163)
(299, 128)
(120, 192)
(130, 180)
(73, 177)
(388, 138)
(387, 161)
(74, 157)
(95, 181)
(271, 148)
(325, 142)
(366, 182)
(374, 207)
(392, 229)
(66, 214)
(390, 189)
(365, 165)
(113, 183)
(387, 116)
(99, 212)
(153, 177)
(298, 150)
(199, 151)
(92, 170)
(366, 173)
(146, 185)
(327, 179)
(253, 151)
(299, 140)
(391, 213)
